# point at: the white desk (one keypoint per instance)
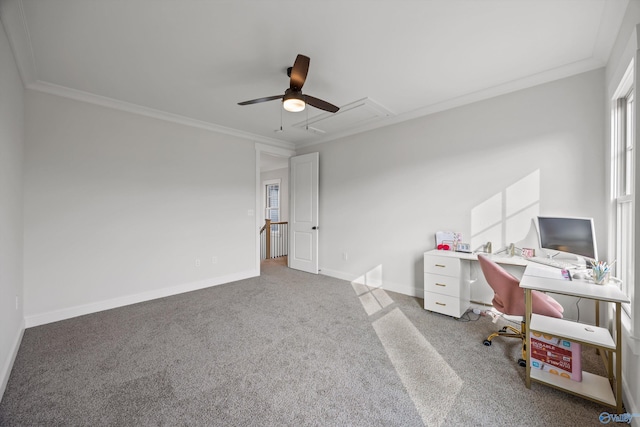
(606, 390)
(448, 279)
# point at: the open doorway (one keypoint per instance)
(272, 205)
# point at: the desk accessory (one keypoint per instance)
(463, 247)
(448, 240)
(528, 252)
(600, 272)
(486, 248)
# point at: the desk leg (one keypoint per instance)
(618, 355)
(597, 303)
(527, 318)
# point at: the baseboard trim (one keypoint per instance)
(8, 366)
(338, 274)
(81, 310)
(630, 405)
(400, 288)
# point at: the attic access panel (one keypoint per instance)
(348, 117)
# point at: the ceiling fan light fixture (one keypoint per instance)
(293, 99)
(293, 102)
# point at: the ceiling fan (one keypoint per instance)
(293, 99)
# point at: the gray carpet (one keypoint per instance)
(285, 349)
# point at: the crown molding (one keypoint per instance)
(275, 151)
(103, 101)
(610, 24)
(15, 26)
(13, 19)
(548, 76)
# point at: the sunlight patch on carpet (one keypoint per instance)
(431, 383)
(373, 299)
(370, 303)
(383, 298)
(360, 288)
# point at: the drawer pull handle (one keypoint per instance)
(439, 303)
(440, 284)
(440, 265)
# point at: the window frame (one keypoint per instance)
(265, 188)
(623, 134)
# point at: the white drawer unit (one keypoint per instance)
(444, 304)
(446, 284)
(441, 265)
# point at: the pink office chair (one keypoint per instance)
(508, 299)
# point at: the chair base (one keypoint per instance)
(511, 332)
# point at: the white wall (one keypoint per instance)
(11, 153)
(118, 207)
(483, 169)
(626, 49)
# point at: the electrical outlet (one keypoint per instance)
(345, 256)
(214, 259)
(250, 212)
(197, 262)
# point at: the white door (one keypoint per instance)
(303, 217)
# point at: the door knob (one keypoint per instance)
(315, 227)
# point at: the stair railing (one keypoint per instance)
(274, 239)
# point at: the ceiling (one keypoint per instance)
(382, 61)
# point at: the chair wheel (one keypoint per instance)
(504, 329)
(522, 363)
(487, 343)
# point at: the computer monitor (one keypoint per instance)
(571, 235)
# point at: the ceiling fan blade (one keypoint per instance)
(319, 103)
(265, 99)
(299, 72)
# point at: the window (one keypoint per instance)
(622, 178)
(272, 201)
